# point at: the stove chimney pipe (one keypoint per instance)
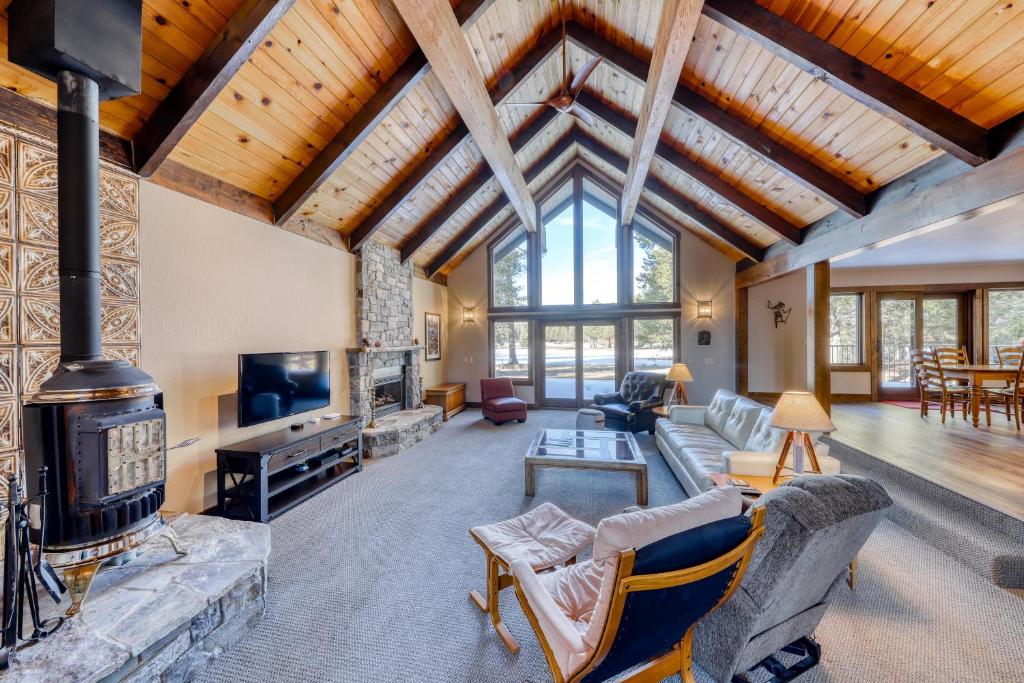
(78, 212)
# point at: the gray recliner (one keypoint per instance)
(814, 527)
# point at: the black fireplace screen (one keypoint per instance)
(388, 390)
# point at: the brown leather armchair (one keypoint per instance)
(498, 401)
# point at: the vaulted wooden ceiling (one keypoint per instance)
(324, 116)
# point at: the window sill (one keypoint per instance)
(850, 368)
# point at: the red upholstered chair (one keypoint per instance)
(498, 401)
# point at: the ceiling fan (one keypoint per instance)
(565, 100)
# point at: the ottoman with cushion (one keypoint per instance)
(589, 418)
(543, 537)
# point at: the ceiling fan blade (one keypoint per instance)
(526, 104)
(582, 114)
(580, 78)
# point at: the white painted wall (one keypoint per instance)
(777, 358)
(967, 273)
(428, 297)
(216, 284)
(704, 274)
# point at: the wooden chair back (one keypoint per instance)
(930, 373)
(949, 355)
(1009, 355)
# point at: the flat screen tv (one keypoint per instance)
(276, 385)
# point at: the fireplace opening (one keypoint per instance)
(388, 390)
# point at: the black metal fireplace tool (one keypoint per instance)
(19, 574)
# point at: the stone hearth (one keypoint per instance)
(160, 616)
(400, 430)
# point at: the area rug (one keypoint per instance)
(914, 405)
(369, 580)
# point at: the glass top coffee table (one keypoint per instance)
(588, 450)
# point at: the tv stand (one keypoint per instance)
(261, 478)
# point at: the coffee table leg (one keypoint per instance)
(641, 487)
(529, 479)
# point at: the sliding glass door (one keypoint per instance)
(579, 360)
(909, 321)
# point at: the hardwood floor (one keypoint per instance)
(983, 463)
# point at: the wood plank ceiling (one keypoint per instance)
(336, 124)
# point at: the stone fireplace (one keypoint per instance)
(384, 372)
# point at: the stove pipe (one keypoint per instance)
(78, 208)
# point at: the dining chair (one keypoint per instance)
(951, 355)
(1012, 395)
(932, 382)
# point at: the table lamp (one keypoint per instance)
(679, 373)
(799, 412)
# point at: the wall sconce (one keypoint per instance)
(468, 314)
(703, 309)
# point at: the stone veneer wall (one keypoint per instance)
(360, 376)
(383, 295)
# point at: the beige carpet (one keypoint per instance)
(368, 581)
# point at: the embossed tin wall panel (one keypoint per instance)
(29, 286)
(8, 373)
(37, 269)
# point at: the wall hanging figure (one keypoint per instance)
(779, 312)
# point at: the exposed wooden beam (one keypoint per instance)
(676, 24)
(874, 89)
(35, 118)
(201, 84)
(527, 66)
(439, 35)
(178, 177)
(786, 161)
(682, 204)
(627, 126)
(991, 187)
(819, 370)
(742, 341)
(340, 148)
(459, 242)
(460, 198)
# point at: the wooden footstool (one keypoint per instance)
(545, 537)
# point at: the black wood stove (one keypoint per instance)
(97, 425)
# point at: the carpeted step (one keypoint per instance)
(989, 542)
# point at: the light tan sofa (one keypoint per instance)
(730, 435)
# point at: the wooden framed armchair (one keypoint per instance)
(639, 605)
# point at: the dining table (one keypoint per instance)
(976, 375)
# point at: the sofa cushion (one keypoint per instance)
(699, 449)
(718, 412)
(741, 421)
(505, 404)
(763, 437)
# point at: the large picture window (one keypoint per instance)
(599, 245)
(654, 268)
(1005, 320)
(846, 329)
(557, 269)
(509, 270)
(510, 349)
(654, 344)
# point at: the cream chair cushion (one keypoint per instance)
(544, 536)
(571, 603)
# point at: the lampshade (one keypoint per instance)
(800, 411)
(679, 373)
